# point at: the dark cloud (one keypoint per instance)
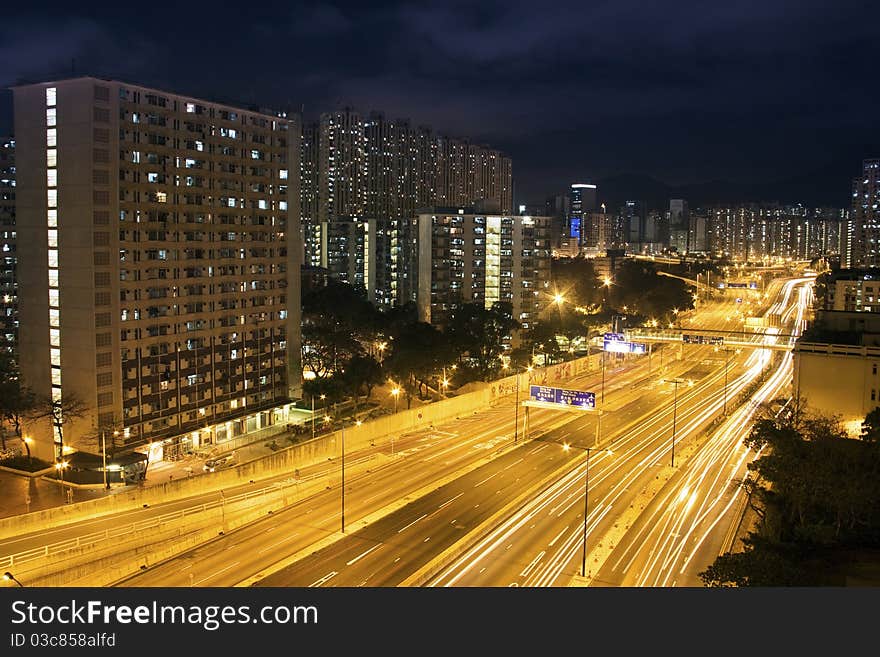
(685, 90)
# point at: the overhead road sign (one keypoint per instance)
(562, 397)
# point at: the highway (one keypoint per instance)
(427, 460)
(319, 518)
(541, 543)
(696, 516)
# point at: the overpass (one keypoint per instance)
(701, 337)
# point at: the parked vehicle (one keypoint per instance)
(214, 464)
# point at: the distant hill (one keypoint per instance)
(827, 186)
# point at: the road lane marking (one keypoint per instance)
(450, 501)
(525, 571)
(324, 579)
(204, 579)
(486, 479)
(362, 555)
(283, 540)
(553, 542)
(424, 515)
(514, 463)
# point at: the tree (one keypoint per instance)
(480, 333)
(577, 279)
(60, 412)
(337, 321)
(362, 371)
(416, 355)
(16, 400)
(871, 426)
(816, 490)
(17, 403)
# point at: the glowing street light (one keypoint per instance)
(395, 392)
(9, 577)
(60, 466)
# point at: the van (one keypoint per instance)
(211, 465)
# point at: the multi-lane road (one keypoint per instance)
(635, 530)
(432, 463)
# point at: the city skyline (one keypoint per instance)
(673, 92)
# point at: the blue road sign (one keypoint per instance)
(563, 397)
(624, 347)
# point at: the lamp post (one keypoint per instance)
(676, 383)
(104, 457)
(60, 466)
(603, 375)
(566, 447)
(9, 577)
(358, 423)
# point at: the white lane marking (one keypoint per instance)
(324, 579)
(553, 542)
(424, 515)
(486, 479)
(362, 555)
(514, 463)
(283, 540)
(426, 540)
(450, 501)
(525, 571)
(538, 449)
(204, 579)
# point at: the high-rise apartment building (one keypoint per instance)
(863, 244)
(465, 257)
(8, 280)
(375, 169)
(159, 261)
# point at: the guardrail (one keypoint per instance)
(95, 538)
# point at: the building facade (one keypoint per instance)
(160, 260)
(8, 258)
(464, 257)
(864, 231)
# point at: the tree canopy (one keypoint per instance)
(815, 491)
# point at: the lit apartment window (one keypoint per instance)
(50, 116)
(50, 97)
(51, 157)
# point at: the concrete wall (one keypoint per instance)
(838, 379)
(286, 461)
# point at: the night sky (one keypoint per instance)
(684, 91)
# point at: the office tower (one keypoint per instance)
(160, 259)
(467, 257)
(583, 202)
(8, 284)
(864, 232)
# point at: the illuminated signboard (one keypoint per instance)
(623, 347)
(563, 397)
(617, 337)
(701, 339)
(575, 227)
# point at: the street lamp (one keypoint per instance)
(395, 392)
(104, 454)
(565, 448)
(9, 577)
(60, 466)
(358, 423)
(676, 383)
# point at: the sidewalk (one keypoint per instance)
(15, 490)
